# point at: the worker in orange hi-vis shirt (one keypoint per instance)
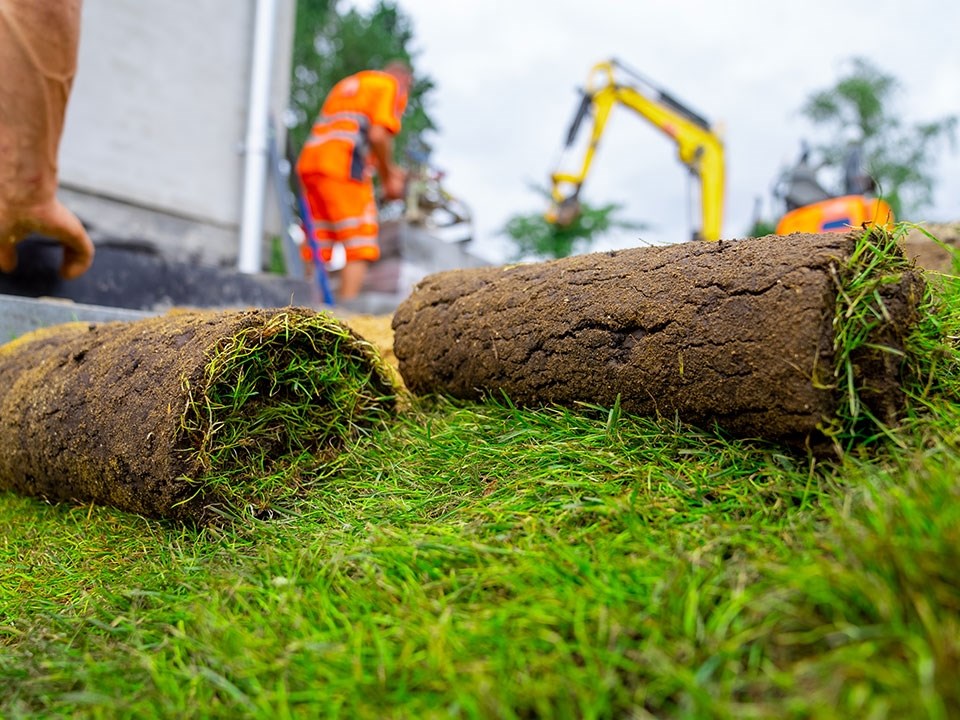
(353, 136)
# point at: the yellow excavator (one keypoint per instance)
(699, 145)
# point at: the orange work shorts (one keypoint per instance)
(342, 211)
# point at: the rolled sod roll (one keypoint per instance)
(747, 334)
(190, 415)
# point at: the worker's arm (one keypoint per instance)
(392, 177)
(38, 55)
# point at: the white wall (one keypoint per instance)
(157, 119)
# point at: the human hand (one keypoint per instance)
(51, 220)
(38, 54)
(394, 184)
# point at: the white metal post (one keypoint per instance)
(256, 147)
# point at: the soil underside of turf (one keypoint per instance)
(737, 333)
(95, 412)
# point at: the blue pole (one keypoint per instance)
(323, 282)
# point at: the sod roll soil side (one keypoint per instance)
(188, 415)
(738, 333)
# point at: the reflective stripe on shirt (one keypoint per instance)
(324, 131)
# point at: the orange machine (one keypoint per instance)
(811, 208)
(837, 214)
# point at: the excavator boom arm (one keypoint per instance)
(699, 147)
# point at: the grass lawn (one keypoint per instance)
(484, 561)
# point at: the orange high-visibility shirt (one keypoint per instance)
(339, 145)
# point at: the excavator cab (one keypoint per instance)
(811, 208)
(838, 214)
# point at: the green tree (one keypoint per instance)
(899, 157)
(330, 44)
(535, 237)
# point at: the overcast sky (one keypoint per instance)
(507, 74)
